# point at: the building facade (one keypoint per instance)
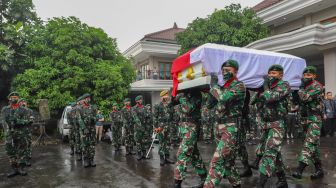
(304, 28)
(152, 58)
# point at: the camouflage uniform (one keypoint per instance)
(228, 113)
(72, 136)
(148, 126)
(311, 104)
(87, 120)
(28, 133)
(77, 133)
(162, 119)
(15, 125)
(174, 129)
(128, 129)
(188, 152)
(206, 118)
(139, 119)
(116, 118)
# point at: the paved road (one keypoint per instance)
(54, 167)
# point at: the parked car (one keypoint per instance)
(63, 125)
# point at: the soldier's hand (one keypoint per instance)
(266, 83)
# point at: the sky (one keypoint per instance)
(129, 20)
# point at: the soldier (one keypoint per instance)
(139, 118)
(162, 119)
(274, 100)
(229, 108)
(30, 117)
(206, 120)
(15, 123)
(188, 152)
(128, 127)
(311, 103)
(116, 118)
(76, 131)
(148, 126)
(87, 120)
(71, 120)
(174, 139)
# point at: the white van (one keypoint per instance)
(63, 125)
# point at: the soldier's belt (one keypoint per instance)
(227, 120)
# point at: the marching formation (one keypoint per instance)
(218, 114)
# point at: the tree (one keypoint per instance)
(16, 16)
(71, 58)
(232, 26)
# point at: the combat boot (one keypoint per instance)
(162, 160)
(13, 172)
(79, 157)
(167, 160)
(128, 152)
(92, 163)
(86, 163)
(144, 154)
(318, 171)
(72, 152)
(282, 182)
(298, 173)
(203, 178)
(177, 183)
(236, 186)
(255, 164)
(247, 170)
(139, 157)
(22, 172)
(28, 163)
(262, 181)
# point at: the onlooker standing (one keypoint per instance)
(330, 114)
(99, 125)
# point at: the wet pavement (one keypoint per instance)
(54, 167)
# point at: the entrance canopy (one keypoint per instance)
(192, 67)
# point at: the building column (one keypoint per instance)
(330, 70)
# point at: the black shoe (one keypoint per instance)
(79, 157)
(144, 155)
(318, 174)
(298, 173)
(162, 160)
(72, 152)
(139, 156)
(255, 164)
(22, 172)
(13, 172)
(262, 181)
(177, 183)
(282, 182)
(28, 163)
(92, 163)
(168, 161)
(203, 178)
(86, 163)
(236, 186)
(247, 172)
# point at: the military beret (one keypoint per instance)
(275, 67)
(163, 93)
(127, 100)
(310, 69)
(72, 104)
(139, 97)
(115, 104)
(14, 93)
(231, 63)
(86, 95)
(22, 100)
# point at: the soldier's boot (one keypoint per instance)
(144, 154)
(255, 164)
(72, 152)
(117, 148)
(22, 172)
(167, 160)
(86, 163)
(162, 160)
(282, 182)
(79, 156)
(262, 181)
(177, 183)
(318, 171)
(139, 156)
(247, 170)
(92, 163)
(203, 178)
(28, 163)
(299, 170)
(13, 172)
(236, 186)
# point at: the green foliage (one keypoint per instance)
(232, 26)
(69, 59)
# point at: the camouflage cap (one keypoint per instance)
(14, 93)
(275, 67)
(163, 93)
(231, 63)
(127, 100)
(310, 69)
(139, 97)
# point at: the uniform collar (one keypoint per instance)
(15, 106)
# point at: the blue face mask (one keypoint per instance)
(272, 79)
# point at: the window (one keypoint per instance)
(328, 21)
(144, 71)
(164, 72)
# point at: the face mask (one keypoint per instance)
(272, 79)
(227, 75)
(13, 101)
(306, 80)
